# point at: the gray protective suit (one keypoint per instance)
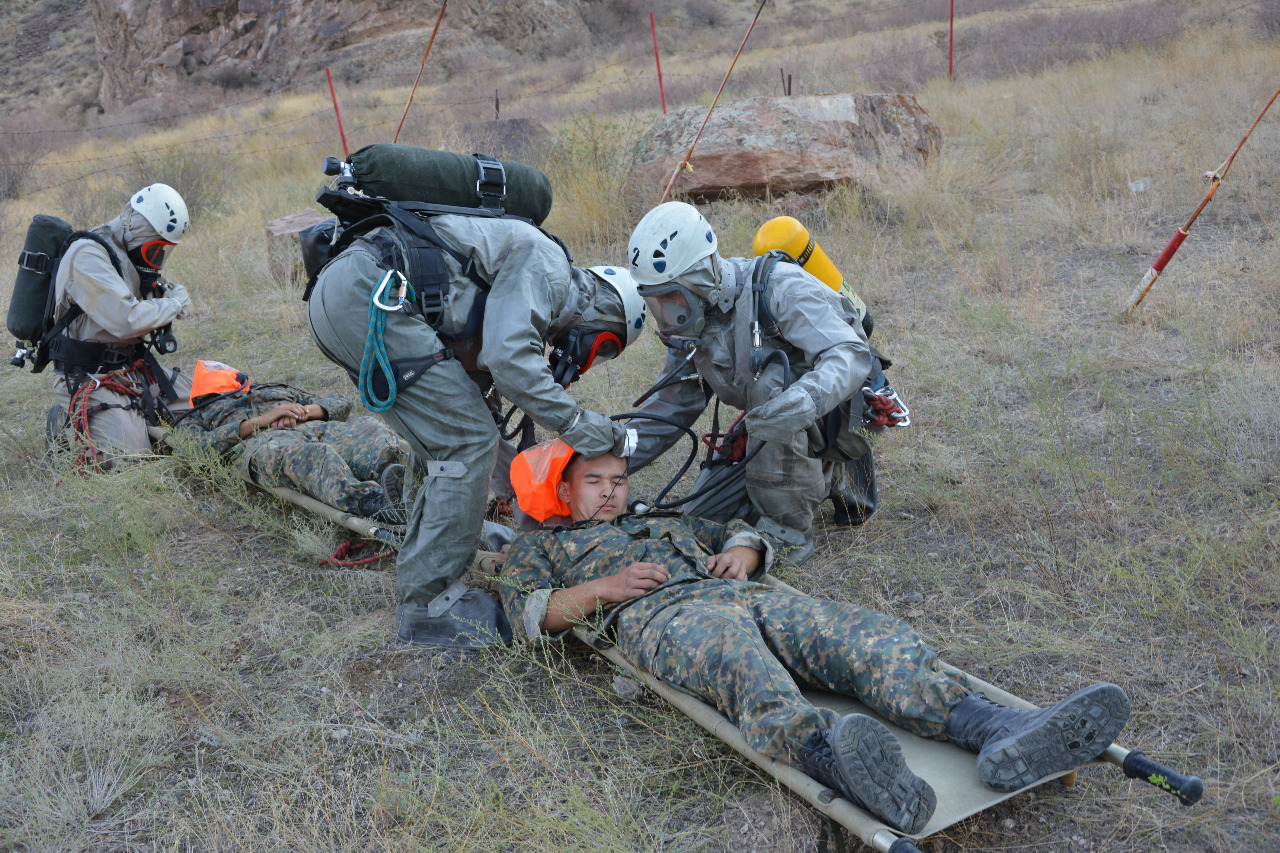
(116, 314)
(535, 296)
(830, 361)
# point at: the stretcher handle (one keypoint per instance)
(1188, 789)
(903, 845)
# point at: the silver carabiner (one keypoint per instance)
(382, 285)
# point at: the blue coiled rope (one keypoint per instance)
(375, 348)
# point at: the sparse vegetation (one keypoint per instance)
(1081, 497)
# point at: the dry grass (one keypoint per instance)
(1081, 497)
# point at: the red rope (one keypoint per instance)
(883, 408)
(346, 549)
(82, 411)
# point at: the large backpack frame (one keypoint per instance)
(416, 250)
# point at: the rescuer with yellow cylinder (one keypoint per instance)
(781, 337)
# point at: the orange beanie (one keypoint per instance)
(214, 377)
(535, 473)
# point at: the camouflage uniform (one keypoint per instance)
(744, 647)
(335, 462)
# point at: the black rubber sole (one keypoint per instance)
(1071, 733)
(872, 765)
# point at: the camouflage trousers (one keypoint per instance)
(749, 649)
(335, 462)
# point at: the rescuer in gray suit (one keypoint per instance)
(511, 291)
(791, 353)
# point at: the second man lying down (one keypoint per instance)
(276, 435)
(673, 594)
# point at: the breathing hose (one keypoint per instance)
(714, 487)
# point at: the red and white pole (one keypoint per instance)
(951, 42)
(661, 92)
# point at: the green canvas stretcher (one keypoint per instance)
(951, 771)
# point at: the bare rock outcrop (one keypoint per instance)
(789, 144)
(149, 47)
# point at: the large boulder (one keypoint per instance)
(789, 144)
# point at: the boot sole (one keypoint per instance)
(1077, 730)
(871, 762)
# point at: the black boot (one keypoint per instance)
(853, 495)
(375, 507)
(392, 480)
(56, 426)
(458, 618)
(1018, 748)
(862, 760)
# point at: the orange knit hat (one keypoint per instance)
(214, 377)
(535, 473)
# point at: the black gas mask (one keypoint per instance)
(573, 354)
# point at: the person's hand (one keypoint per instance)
(179, 293)
(284, 416)
(786, 413)
(735, 564)
(635, 580)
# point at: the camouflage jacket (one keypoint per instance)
(217, 425)
(552, 558)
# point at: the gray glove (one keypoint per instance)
(179, 293)
(786, 413)
(593, 434)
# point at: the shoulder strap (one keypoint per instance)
(760, 287)
(89, 235)
(75, 311)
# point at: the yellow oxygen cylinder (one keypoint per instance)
(789, 235)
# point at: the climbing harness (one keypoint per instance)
(81, 411)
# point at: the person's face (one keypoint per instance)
(595, 488)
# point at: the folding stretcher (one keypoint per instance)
(951, 771)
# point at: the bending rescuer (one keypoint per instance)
(510, 290)
(800, 379)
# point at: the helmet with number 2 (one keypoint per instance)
(669, 240)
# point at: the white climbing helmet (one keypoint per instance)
(633, 305)
(667, 241)
(161, 206)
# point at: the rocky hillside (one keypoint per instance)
(68, 57)
(150, 47)
(47, 58)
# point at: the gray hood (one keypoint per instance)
(131, 229)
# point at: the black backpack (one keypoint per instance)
(30, 317)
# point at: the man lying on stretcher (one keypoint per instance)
(673, 594)
(276, 435)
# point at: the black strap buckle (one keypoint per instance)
(431, 302)
(491, 186)
(36, 262)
